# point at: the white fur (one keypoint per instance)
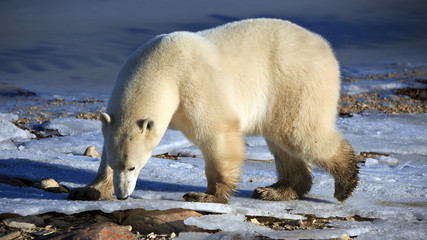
(260, 76)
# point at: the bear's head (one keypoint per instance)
(127, 146)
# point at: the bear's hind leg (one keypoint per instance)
(101, 187)
(294, 177)
(343, 167)
(224, 155)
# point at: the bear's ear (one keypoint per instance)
(106, 119)
(145, 124)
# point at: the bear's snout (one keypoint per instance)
(124, 184)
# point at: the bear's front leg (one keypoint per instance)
(220, 186)
(224, 155)
(101, 188)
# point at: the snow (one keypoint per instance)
(369, 85)
(399, 134)
(82, 59)
(72, 126)
(392, 189)
(10, 133)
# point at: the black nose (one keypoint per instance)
(123, 198)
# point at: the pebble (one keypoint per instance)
(344, 237)
(50, 185)
(91, 152)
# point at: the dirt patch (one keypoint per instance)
(364, 155)
(414, 93)
(163, 224)
(404, 204)
(167, 156)
(311, 222)
(349, 104)
(411, 99)
(39, 111)
(58, 225)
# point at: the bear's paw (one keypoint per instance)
(275, 194)
(203, 197)
(88, 193)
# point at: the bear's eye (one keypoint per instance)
(131, 169)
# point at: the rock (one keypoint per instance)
(27, 223)
(344, 237)
(91, 152)
(46, 184)
(160, 222)
(11, 236)
(12, 181)
(105, 230)
(59, 223)
(50, 185)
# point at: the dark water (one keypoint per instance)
(78, 46)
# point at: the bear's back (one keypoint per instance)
(261, 34)
(270, 61)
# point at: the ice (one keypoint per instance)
(259, 153)
(74, 144)
(371, 161)
(8, 117)
(352, 89)
(255, 141)
(388, 160)
(399, 133)
(9, 133)
(392, 189)
(228, 223)
(172, 140)
(191, 151)
(370, 86)
(222, 222)
(72, 126)
(54, 64)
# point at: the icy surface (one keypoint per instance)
(39, 54)
(392, 189)
(10, 133)
(72, 126)
(400, 134)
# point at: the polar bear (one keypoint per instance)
(253, 77)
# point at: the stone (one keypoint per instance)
(27, 223)
(59, 223)
(50, 185)
(98, 231)
(11, 235)
(160, 222)
(344, 237)
(91, 152)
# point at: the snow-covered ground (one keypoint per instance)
(392, 190)
(39, 54)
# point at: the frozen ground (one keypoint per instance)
(39, 54)
(392, 190)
